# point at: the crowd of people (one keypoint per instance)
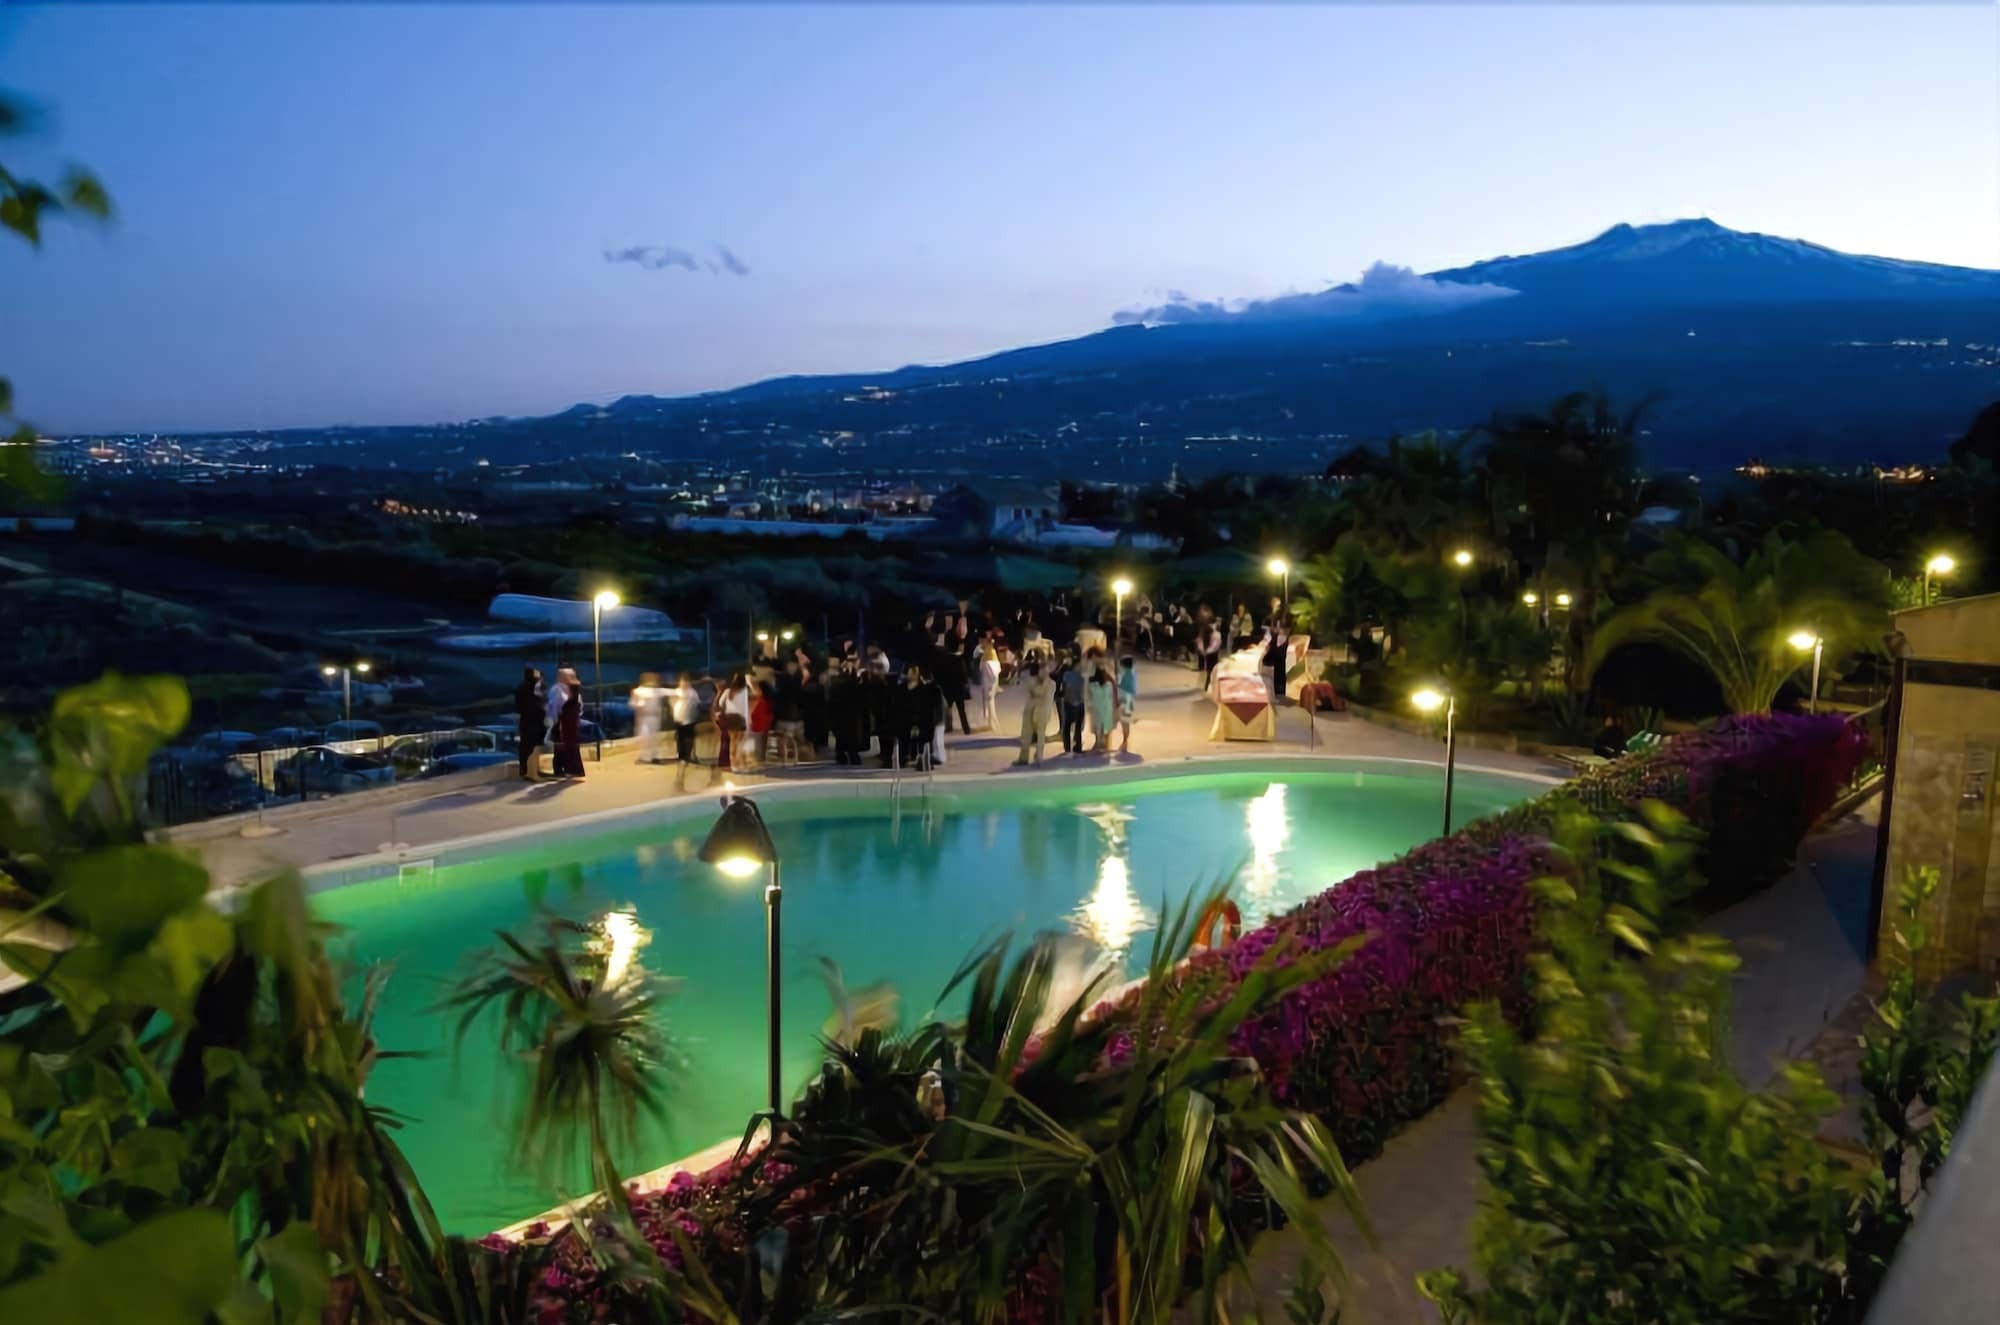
(895, 703)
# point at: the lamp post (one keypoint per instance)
(1281, 568)
(346, 671)
(1119, 588)
(1941, 564)
(1428, 700)
(603, 602)
(1803, 640)
(740, 845)
(1563, 600)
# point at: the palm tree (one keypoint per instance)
(584, 1015)
(1031, 1151)
(1735, 621)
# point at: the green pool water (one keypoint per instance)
(897, 896)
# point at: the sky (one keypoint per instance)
(415, 213)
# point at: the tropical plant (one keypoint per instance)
(1032, 1162)
(1737, 621)
(1629, 1175)
(182, 1131)
(584, 1016)
(1922, 1058)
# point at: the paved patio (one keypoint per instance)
(1174, 718)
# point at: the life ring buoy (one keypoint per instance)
(1221, 912)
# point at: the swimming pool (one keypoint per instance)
(891, 892)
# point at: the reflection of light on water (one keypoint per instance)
(1269, 829)
(1112, 913)
(618, 939)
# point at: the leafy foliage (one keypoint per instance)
(1630, 1175)
(1735, 620)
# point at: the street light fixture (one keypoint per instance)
(1563, 600)
(1461, 558)
(740, 846)
(1942, 563)
(602, 603)
(1531, 598)
(345, 671)
(1803, 640)
(1428, 700)
(1281, 568)
(1119, 588)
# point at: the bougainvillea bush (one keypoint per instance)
(1369, 1046)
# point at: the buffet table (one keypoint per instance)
(1243, 710)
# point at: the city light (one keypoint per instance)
(329, 670)
(364, 667)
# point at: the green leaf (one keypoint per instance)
(299, 1277)
(151, 1158)
(178, 1269)
(84, 193)
(107, 730)
(124, 895)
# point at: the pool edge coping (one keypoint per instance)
(367, 867)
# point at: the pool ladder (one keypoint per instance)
(923, 767)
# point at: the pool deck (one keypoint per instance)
(1173, 724)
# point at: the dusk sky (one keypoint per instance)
(406, 214)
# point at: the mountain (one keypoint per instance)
(1701, 263)
(1751, 344)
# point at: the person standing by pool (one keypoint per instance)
(1128, 702)
(531, 722)
(989, 684)
(684, 707)
(647, 699)
(1103, 706)
(949, 676)
(1241, 628)
(1070, 694)
(1277, 657)
(732, 720)
(569, 726)
(1034, 713)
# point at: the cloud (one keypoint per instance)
(659, 257)
(1384, 291)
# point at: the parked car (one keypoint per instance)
(326, 771)
(184, 783)
(357, 730)
(411, 756)
(226, 742)
(465, 760)
(289, 738)
(420, 723)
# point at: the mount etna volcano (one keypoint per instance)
(1746, 344)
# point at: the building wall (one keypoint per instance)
(1942, 811)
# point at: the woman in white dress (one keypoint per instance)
(989, 684)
